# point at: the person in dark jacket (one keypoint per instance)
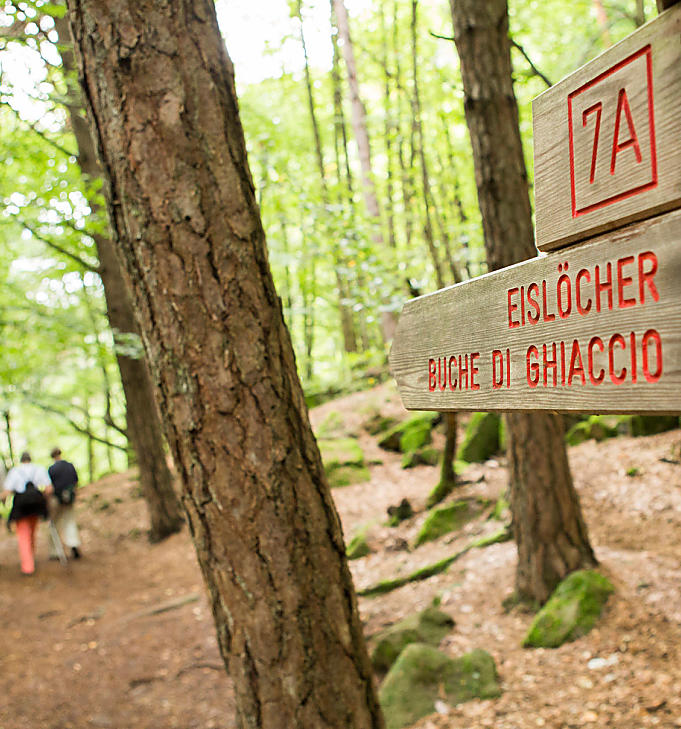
(62, 505)
(28, 506)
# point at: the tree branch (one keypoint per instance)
(80, 261)
(535, 70)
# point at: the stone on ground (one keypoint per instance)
(429, 626)
(446, 519)
(481, 441)
(571, 611)
(410, 435)
(423, 675)
(343, 461)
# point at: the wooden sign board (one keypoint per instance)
(607, 139)
(594, 328)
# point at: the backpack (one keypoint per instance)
(67, 495)
(31, 502)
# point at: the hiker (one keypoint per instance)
(62, 505)
(29, 505)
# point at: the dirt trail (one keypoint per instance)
(124, 637)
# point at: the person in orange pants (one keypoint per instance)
(28, 506)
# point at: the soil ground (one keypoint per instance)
(124, 637)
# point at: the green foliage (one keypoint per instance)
(572, 610)
(422, 674)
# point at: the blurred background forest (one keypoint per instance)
(362, 166)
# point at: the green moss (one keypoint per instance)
(571, 611)
(503, 535)
(640, 425)
(399, 513)
(595, 427)
(422, 674)
(482, 438)
(338, 452)
(358, 547)
(410, 435)
(500, 508)
(377, 424)
(444, 520)
(348, 475)
(427, 456)
(331, 426)
(429, 626)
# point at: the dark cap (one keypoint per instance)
(25, 457)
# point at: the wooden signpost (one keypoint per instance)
(610, 134)
(596, 326)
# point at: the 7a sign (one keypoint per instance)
(609, 134)
(612, 135)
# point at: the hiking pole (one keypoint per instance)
(58, 546)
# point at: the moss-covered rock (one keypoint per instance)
(572, 610)
(358, 546)
(427, 456)
(377, 424)
(595, 427)
(348, 475)
(429, 626)
(331, 427)
(343, 461)
(409, 435)
(444, 520)
(421, 675)
(399, 513)
(482, 438)
(640, 425)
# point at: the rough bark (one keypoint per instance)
(161, 95)
(547, 521)
(143, 422)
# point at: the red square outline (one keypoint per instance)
(646, 50)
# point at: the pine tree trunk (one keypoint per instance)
(162, 101)
(547, 520)
(144, 425)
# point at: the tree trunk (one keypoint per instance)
(345, 313)
(359, 117)
(8, 433)
(144, 424)
(161, 97)
(547, 521)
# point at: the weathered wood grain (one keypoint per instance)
(607, 143)
(486, 314)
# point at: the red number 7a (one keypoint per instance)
(612, 134)
(617, 145)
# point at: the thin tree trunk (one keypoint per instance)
(547, 520)
(144, 426)
(359, 122)
(388, 131)
(162, 101)
(8, 433)
(347, 324)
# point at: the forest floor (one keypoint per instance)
(124, 637)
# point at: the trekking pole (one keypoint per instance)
(58, 546)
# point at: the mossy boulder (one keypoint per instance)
(429, 626)
(409, 435)
(482, 438)
(422, 674)
(399, 513)
(446, 519)
(331, 427)
(641, 425)
(595, 427)
(572, 610)
(427, 456)
(343, 461)
(358, 546)
(377, 424)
